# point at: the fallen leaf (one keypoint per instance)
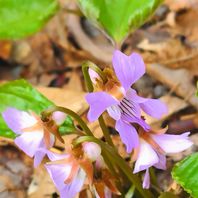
(66, 98)
(5, 49)
(179, 80)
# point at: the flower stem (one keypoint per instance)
(105, 131)
(74, 115)
(117, 159)
(85, 67)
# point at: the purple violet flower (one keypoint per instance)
(69, 171)
(153, 148)
(121, 101)
(66, 174)
(31, 134)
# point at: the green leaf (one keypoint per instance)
(118, 17)
(67, 127)
(130, 192)
(20, 18)
(185, 173)
(21, 95)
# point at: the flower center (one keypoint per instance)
(117, 92)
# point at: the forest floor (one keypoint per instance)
(51, 61)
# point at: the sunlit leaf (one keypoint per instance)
(20, 18)
(116, 17)
(185, 173)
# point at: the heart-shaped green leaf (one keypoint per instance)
(118, 17)
(185, 173)
(21, 95)
(20, 18)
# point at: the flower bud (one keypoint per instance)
(92, 150)
(59, 117)
(100, 163)
(93, 75)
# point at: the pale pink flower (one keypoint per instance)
(32, 133)
(154, 148)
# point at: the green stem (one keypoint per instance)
(85, 67)
(105, 131)
(74, 115)
(117, 159)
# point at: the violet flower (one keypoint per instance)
(31, 132)
(69, 171)
(153, 148)
(121, 101)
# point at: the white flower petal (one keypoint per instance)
(114, 112)
(30, 142)
(147, 157)
(173, 143)
(18, 120)
(146, 181)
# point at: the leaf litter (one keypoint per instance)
(51, 58)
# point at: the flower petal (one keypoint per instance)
(173, 143)
(99, 102)
(108, 193)
(30, 142)
(128, 135)
(136, 120)
(146, 181)
(56, 156)
(128, 69)
(38, 157)
(114, 112)
(130, 107)
(147, 157)
(71, 190)
(152, 107)
(162, 162)
(59, 173)
(18, 120)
